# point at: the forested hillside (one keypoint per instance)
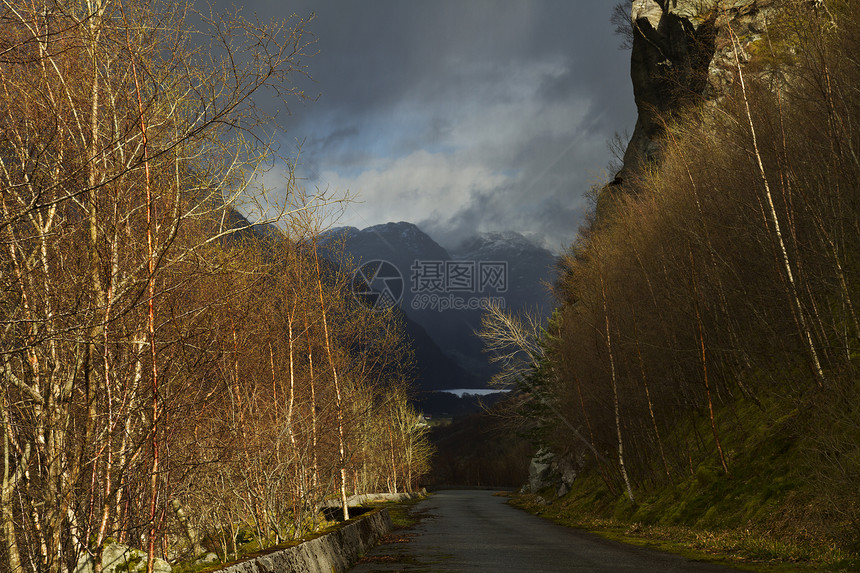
(703, 364)
(169, 380)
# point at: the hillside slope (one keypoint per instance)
(702, 369)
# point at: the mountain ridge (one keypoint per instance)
(523, 268)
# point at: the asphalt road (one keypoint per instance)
(473, 530)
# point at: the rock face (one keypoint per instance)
(682, 53)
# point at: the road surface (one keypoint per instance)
(473, 530)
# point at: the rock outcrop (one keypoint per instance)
(118, 558)
(682, 54)
(549, 470)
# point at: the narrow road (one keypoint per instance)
(473, 530)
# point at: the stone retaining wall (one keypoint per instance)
(335, 551)
(362, 498)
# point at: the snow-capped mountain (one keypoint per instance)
(506, 267)
(529, 266)
(506, 243)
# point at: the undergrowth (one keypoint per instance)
(401, 513)
(767, 514)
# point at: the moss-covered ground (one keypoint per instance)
(764, 515)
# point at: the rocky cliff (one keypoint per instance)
(682, 54)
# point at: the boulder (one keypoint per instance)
(540, 471)
(550, 470)
(118, 558)
(567, 468)
(207, 559)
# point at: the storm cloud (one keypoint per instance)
(460, 116)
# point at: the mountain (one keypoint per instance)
(435, 370)
(443, 293)
(400, 243)
(530, 266)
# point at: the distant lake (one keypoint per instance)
(460, 392)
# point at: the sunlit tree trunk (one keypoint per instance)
(774, 219)
(614, 382)
(15, 461)
(339, 398)
(313, 408)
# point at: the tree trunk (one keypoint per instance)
(614, 382)
(338, 396)
(818, 371)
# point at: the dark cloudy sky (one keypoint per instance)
(460, 116)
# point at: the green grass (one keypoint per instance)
(401, 512)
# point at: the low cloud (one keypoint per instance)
(505, 159)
